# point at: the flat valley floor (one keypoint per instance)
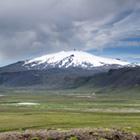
(22, 109)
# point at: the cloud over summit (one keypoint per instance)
(32, 27)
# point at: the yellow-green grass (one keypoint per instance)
(70, 109)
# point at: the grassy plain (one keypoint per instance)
(66, 109)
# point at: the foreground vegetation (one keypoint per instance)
(74, 134)
(67, 109)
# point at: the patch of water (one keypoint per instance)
(27, 103)
(22, 104)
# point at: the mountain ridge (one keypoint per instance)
(65, 59)
(72, 78)
(72, 69)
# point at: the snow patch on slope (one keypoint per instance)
(67, 59)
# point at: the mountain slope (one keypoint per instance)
(71, 69)
(72, 78)
(65, 60)
(71, 59)
(117, 78)
(50, 79)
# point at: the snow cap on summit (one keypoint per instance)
(65, 59)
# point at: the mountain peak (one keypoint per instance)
(74, 58)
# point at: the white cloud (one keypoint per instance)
(101, 34)
(32, 27)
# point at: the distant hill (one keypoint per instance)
(123, 77)
(72, 78)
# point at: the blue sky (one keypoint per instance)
(131, 54)
(128, 49)
(30, 28)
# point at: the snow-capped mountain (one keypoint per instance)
(67, 59)
(70, 69)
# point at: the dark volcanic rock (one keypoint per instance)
(72, 78)
(124, 77)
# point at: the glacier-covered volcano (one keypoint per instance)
(66, 59)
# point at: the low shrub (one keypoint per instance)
(73, 138)
(35, 138)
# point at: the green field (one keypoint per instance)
(66, 109)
